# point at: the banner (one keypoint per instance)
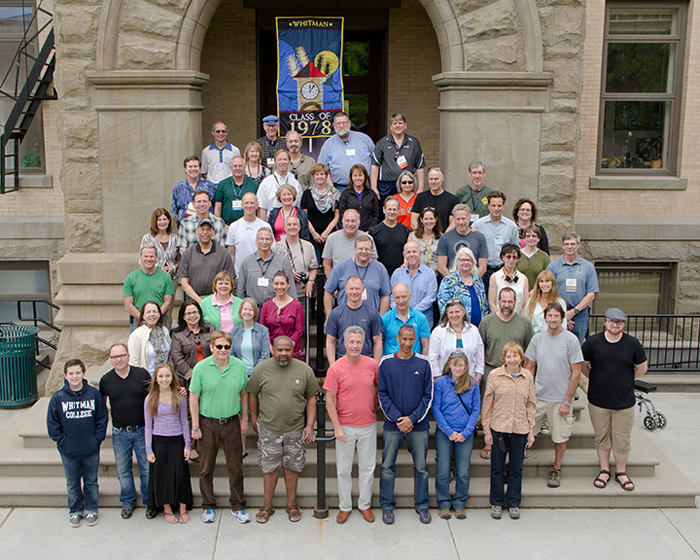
(309, 74)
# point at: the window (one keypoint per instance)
(23, 280)
(640, 104)
(640, 288)
(15, 17)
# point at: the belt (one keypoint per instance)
(221, 420)
(130, 428)
(494, 268)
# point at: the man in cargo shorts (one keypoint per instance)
(282, 397)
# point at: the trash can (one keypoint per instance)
(17, 366)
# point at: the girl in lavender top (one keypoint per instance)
(168, 446)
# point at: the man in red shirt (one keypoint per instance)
(351, 392)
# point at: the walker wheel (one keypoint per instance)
(650, 423)
(660, 421)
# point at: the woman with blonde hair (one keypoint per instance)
(149, 344)
(456, 407)
(543, 293)
(220, 309)
(287, 195)
(508, 417)
(253, 163)
(167, 446)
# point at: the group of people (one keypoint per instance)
(433, 302)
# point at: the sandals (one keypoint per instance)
(263, 516)
(170, 518)
(627, 485)
(599, 482)
(184, 517)
(485, 454)
(293, 513)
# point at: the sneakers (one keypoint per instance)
(514, 513)
(444, 514)
(496, 512)
(388, 516)
(151, 513)
(208, 516)
(554, 480)
(127, 512)
(75, 519)
(91, 519)
(424, 515)
(240, 514)
(544, 430)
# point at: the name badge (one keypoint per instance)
(236, 205)
(190, 210)
(263, 282)
(401, 162)
(270, 162)
(349, 152)
(498, 240)
(474, 218)
(364, 294)
(571, 284)
(218, 166)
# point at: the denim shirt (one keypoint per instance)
(261, 342)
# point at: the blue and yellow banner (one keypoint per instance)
(309, 74)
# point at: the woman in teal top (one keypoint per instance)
(221, 308)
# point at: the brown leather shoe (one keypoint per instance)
(367, 515)
(342, 517)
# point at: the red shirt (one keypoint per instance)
(355, 388)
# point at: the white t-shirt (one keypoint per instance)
(268, 189)
(554, 356)
(241, 236)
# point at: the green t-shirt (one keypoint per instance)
(477, 202)
(282, 392)
(531, 267)
(496, 333)
(219, 391)
(147, 287)
(230, 195)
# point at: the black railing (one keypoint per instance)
(320, 368)
(672, 342)
(37, 320)
(321, 509)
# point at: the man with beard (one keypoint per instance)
(282, 396)
(299, 163)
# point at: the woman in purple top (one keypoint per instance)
(284, 316)
(168, 446)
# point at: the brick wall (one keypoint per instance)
(414, 58)
(228, 56)
(644, 203)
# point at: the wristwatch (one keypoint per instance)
(568, 403)
(195, 428)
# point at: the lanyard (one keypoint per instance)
(291, 255)
(264, 272)
(357, 269)
(471, 196)
(237, 195)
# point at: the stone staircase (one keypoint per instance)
(31, 473)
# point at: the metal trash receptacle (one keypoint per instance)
(17, 366)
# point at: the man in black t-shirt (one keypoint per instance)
(437, 198)
(612, 361)
(126, 387)
(390, 236)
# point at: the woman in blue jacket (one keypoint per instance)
(456, 407)
(77, 421)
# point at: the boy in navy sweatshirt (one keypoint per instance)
(405, 390)
(77, 422)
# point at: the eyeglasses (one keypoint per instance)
(222, 346)
(457, 353)
(406, 182)
(118, 357)
(190, 313)
(221, 131)
(511, 257)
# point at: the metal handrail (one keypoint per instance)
(321, 509)
(38, 320)
(672, 342)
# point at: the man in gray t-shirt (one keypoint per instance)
(555, 355)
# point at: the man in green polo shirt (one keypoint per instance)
(282, 392)
(147, 283)
(230, 191)
(217, 397)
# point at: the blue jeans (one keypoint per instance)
(418, 442)
(581, 325)
(81, 500)
(463, 455)
(515, 447)
(125, 445)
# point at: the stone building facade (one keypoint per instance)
(513, 83)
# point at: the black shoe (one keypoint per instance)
(151, 513)
(126, 512)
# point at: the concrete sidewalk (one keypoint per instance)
(540, 533)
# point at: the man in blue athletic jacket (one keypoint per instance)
(405, 394)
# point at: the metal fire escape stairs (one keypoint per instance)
(27, 83)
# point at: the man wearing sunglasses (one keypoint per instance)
(217, 156)
(217, 398)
